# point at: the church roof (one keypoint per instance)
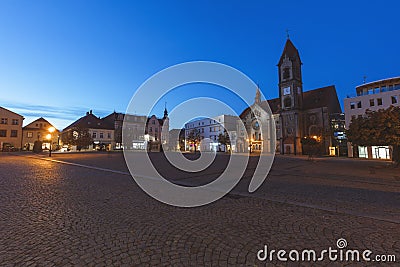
(317, 98)
(290, 51)
(322, 97)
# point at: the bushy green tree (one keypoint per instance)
(224, 138)
(79, 137)
(194, 138)
(377, 128)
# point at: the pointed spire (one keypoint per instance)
(287, 34)
(165, 110)
(257, 99)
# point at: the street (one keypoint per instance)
(58, 214)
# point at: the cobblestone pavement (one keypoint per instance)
(54, 214)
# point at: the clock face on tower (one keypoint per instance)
(286, 90)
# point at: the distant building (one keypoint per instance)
(101, 131)
(372, 96)
(38, 130)
(10, 130)
(155, 134)
(338, 145)
(177, 139)
(297, 114)
(134, 127)
(209, 130)
(116, 119)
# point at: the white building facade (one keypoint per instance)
(209, 130)
(371, 96)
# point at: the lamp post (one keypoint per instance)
(249, 141)
(49, 137)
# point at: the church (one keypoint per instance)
(298, 114)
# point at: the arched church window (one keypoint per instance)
(286, 73)
(287, 102)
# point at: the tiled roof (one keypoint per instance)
(92, 122)
(317, 98)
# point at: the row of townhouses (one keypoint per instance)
(296, 115)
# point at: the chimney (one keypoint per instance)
(90, 112)
(87, 113)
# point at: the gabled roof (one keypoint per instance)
(322, 97)
(290, 51)
(32, 126)
(12, 112)
(92, 122)
(317, 98)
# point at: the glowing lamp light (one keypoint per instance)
(48, 136)
(52, 129)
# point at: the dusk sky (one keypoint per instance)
(58, 59)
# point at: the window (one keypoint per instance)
(14, 122)
(286, 73)
(101, 135)
(379, 100)
(153, 122)
(397, 87)
(370, 91)
(151, 129)
(3, 133)
(202, 130)
(352, 105)
(94, 135)
(390, 87)
(395, 99)
(376, 90)
(156, 130)
(210, 129)
(4, 121)
(383, 89)
(372, 102)
(29, 134)
(14, 133)
(109, 135)
(359, 104)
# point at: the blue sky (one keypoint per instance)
(59, 59)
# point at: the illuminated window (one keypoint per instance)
(29, 134)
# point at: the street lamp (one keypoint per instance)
(249, 141)
(49, 137)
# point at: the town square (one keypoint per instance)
(209, 133)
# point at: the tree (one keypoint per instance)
(377, 128)
(224, 139)
(194, 137)
(311, 146)
(77, 136)
(37, 147)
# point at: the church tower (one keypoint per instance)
(291, 99)
(290, 78)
